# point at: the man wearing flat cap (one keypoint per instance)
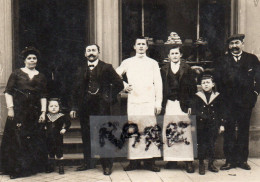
(238, 79)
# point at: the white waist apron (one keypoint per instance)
(177, 138)
(147, 147)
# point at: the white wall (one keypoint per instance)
(5, 53)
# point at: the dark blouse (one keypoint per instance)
(19, 81)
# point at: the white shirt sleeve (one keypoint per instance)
(157, 85)
(121, 70)
(9, 100)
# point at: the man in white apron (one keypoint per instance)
(144, 89)
(179, 88)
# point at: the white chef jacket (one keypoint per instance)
(143, 73)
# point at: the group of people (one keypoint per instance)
(224, 104)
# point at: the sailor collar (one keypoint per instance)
(203, 97)
(54, 117)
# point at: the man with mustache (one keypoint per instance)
(92, 95)
(238, 79)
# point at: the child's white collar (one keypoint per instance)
(54, 117)
(203, 96)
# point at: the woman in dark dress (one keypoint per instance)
(23, 149)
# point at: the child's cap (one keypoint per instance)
(207, 74)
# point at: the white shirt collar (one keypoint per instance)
(93, 63)
(140, 55)
(175, 64)
(237, 55)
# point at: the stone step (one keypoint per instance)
(73, 159)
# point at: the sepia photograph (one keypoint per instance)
(130, 90)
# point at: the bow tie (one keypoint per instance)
(91, 66)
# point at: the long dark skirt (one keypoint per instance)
(23, 150)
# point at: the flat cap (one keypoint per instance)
(236, 37)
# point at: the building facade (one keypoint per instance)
(61, 29)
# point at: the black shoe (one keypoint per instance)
(107, 171)
(227, 166)
(153, 168)
(189, 167)
(83, 167)
(171, 165)
(50, 166)
(202, 168)
(212, 167)
(133, 165)
(14, 176)
(244, 165)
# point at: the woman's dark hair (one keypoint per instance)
(30, 50)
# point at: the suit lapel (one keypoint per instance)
(182, 69)
(99, 68)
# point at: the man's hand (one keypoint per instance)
(189, 111)
(73, 114)
(10, 113)
(157, 110)
(42, 117)
(221, 129)
(128, 88)
(62, 131)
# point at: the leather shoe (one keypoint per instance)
(83, 167)
(212, 167)
(244, 165)
(171, 165)
(227, 166)
(153, 168)
(107, 171)
(189, 167)
(133, 165)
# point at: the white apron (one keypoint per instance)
(143, 116)
(177, 138)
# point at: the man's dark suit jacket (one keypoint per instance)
(187, 83)
(237, 81)
(106, 76)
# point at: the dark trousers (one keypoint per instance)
(236, 135)
(92, 106)
(55, 145)
(207, 136)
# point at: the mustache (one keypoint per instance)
(234, 49)
(91, 55)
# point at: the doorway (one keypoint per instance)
(60, 30)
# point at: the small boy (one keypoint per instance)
(56, 125)
(208, 108)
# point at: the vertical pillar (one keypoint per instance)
(107, 34)
(249, 24)
(5, 54)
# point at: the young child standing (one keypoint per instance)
(57, 124)
(208, 108)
